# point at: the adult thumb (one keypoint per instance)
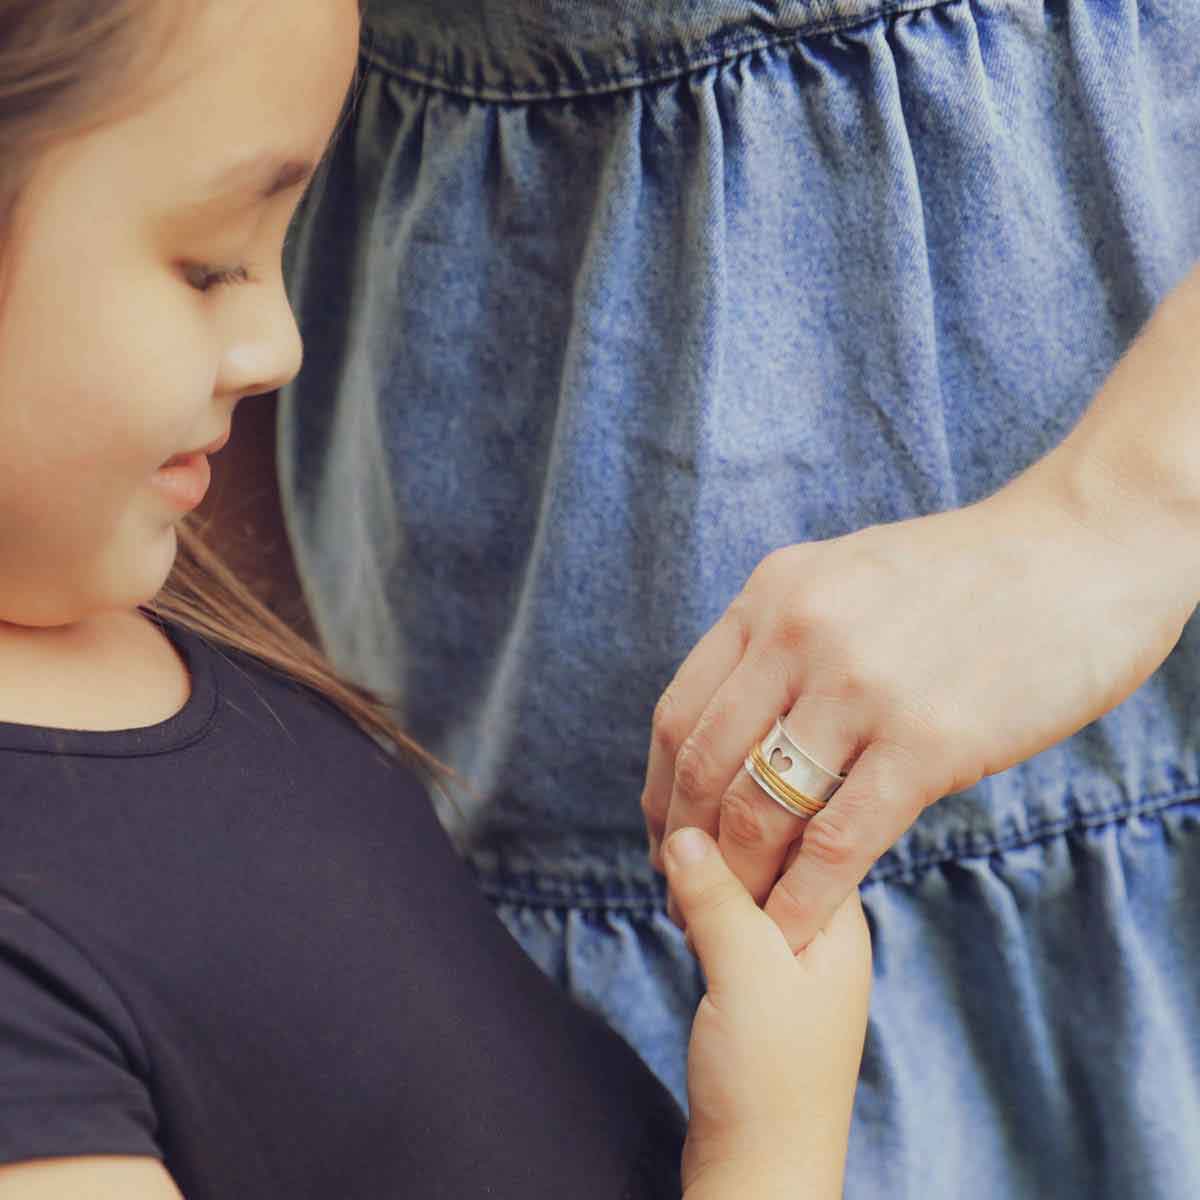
(733, 937)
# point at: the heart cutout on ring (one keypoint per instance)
(780, 761)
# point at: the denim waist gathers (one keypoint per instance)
(714, 356)
(605, 301)
(528, 50)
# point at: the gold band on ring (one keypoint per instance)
(782, 791)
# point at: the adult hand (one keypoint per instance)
(776, 1042)
(920, 656)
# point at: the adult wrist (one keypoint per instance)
(1130, 470)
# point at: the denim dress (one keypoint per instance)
(604, 300)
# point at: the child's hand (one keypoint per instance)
(776, 1042)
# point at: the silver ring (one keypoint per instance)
(790, 775)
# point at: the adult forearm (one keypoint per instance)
(1132, 464)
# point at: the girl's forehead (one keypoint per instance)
(223, 111)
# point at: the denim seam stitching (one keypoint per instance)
(700, 60)
(512, 892)
(1037, 833)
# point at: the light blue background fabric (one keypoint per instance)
(604, 301)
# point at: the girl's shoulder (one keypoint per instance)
(116, 671)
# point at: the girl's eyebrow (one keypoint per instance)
(264, 175)
(247, 181)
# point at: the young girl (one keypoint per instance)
(237, 955)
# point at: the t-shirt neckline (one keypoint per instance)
(189, 724)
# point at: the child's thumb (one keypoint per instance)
(730, 932)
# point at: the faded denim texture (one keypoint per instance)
(606, 299)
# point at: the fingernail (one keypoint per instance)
(688, 846)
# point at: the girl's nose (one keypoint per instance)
(263, 350)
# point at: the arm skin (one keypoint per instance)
(88, 1178)
(1136, 451)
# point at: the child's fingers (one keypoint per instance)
(732, 936)
(841, 951)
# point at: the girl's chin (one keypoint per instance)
(148, 570)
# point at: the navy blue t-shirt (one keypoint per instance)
(240, 942)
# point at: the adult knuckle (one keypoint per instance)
(830, 841)
(794, 626)
(787, 905)
(857, 679)
(742, 822)
(693, 772)
(816, 618)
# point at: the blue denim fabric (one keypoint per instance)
(606, 299)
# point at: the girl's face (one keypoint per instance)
(145, 299)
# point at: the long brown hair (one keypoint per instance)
(62, 63)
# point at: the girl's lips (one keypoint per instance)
(183, 481)
(188, 455)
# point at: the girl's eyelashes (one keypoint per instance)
(206, 279)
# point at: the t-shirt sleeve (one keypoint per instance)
(71, 1063)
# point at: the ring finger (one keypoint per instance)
(756, 829)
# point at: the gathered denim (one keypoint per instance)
(604, 300)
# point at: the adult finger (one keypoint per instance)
(755, 829)
(709, 664)
(743, 709)
(883, 793)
